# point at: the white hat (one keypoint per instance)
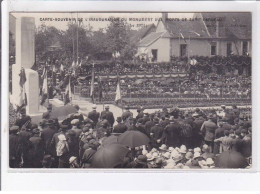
(149, 157)
(94, 106)
(170, 149)
(170, 161)
(205, 147)
(163, 147)
(167, 155)
(154, 150)
(144, 152)
(180, 165)
(170, 166)
(183, 149)
(209, 161)
(72, 158)
(74, 122)
(155, 155)
(197, 150)
(176, 156)
(189, 155)
(196, 155)
(185, 167)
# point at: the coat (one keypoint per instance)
(47, 135)
(109, 116)
(126, 115)
(208, 128)
(120, 128)
(171, 134)
(94, 116)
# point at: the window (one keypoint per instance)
(183, 50)
(244, 48)
(229, 48)
(213, 49)
(154, 53)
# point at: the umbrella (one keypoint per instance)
(231, 159)
(110, 140)
(109, 156)
(133, 139)
(63, 111)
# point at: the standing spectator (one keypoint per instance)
(108, 115)
(94, 115)
(15, 148)
(120, 127)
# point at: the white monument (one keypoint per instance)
(25, 57)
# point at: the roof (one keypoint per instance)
(150, 38)
(193, 29)
(237, 25)
(137, 35)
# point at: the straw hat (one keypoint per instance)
(197, 149)
(170, 149)
(205, 148)
(196, 155)
(155, 155)
(154, 150)
(209, 161)
(144, 152)
(149, 157)
(189, 155)
(176, 156)
(170, 161)
(170, 166)
(163, 147)
(72, 159)
(183, 149)
(167, 155)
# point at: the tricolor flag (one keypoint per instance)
(182, 37)
(22, 101)
(92, 84)
(68, 93)
(62, 73)
(73, 64)
(44, 86)
(118, 91)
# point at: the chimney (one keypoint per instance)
(164, 17)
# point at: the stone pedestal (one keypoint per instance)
(25, 42)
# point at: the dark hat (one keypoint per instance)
(47, 159)
(76, 107)
(130, 118)
(210, 116)
(35, 131)
(49, 106)
(140, 120)
(243, 131)
(49, 122)
(224, 119)
(119, 119)
(23, 110)
(64, 127)
(34, 126)
(156, 120)
(141, 159)
(14, 128)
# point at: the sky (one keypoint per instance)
(51, 19)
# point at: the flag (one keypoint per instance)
(62, 73)
(54, 75)
(68, 93)
(73, 64)
(92, 84)
(22, 101)
(100, 92)
(182, 37)
(44, 87)
(118, 91)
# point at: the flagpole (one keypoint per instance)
(77, 39)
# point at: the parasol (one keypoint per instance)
(133, 139)
(109, 156)
(62, 112)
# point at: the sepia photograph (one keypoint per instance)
(130, 90)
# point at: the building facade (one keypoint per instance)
(206, 34)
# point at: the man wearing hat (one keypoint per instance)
(36, 149)
(75, 128)
(94, 115)
(24, 120)
(15, 147)
(63, 159)
(156, 133)
(140, 113)
(127, 114)
(47, 134)
(120, 127)
(108, 115)
(208, 129)
(47, 115)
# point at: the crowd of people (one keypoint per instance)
(177, 139)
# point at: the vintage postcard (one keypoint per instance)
(132, 90)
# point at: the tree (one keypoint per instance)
(45, 36)
(118, 39)
(77, 35)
